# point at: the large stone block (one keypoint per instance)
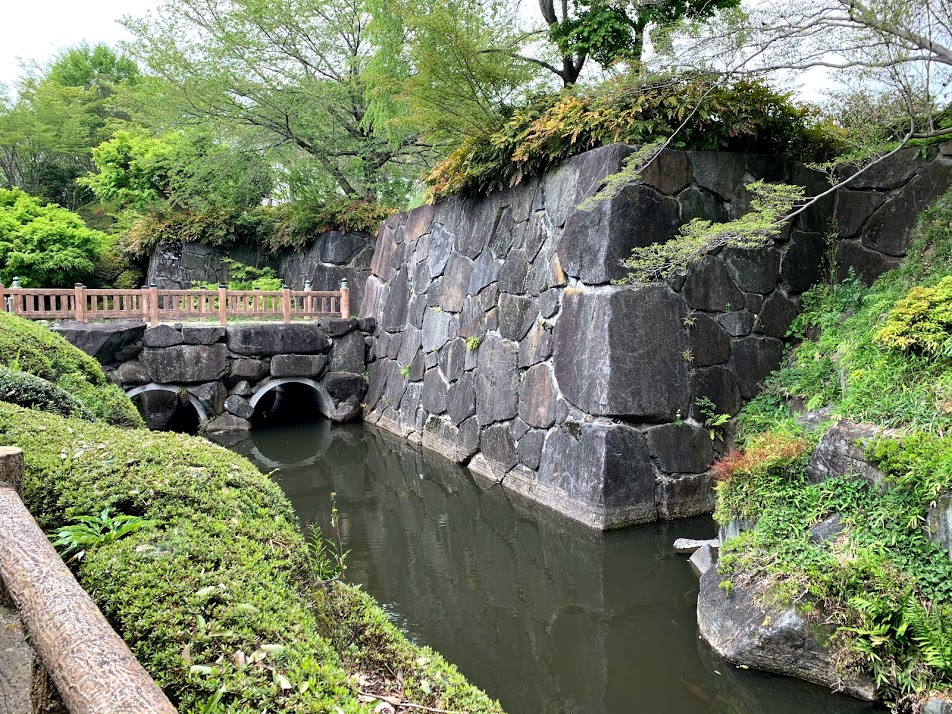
(516, 315)
(182, 364)
(342, 386)
(595, 242)
(438, 328)
(299, 366)
(776, 315)
(497, 380)
(461, 399)
(680, 448)
(340, 248)
(842, 452)
(265, 339)
(434, 391)
(394, 302)
(456, 279)
(853, 209)
(537, 345)
(720, 386)
(348, 353)
(719, 172)
(709, 342)
(537, 397)
(598, 474)
(497, 446)
(102, 340)
(162, 336)
(867, 264)
(709, 286)
(752, 360)
(245, 368)
(684, 496)
(753, 270)
(620, 352)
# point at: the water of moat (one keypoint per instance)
(544, 614)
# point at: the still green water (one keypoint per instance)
(544, 614)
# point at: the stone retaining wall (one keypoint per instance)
(503, 344)
(332, 257)
(226, 370)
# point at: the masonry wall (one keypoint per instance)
(503, 344)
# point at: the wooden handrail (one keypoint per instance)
(93, 669)
(154, 305)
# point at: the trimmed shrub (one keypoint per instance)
(217, 601)
(28, 390)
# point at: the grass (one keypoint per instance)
(882, 589)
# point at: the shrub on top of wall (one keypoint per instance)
(30, 347)
(743, 115)
(217, 600)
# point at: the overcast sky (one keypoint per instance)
(37, 29)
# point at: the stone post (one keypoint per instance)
(344, 299)
(222, 305)
(79, 302)
(286, 304)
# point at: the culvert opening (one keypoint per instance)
(290, 403)
(167, 411)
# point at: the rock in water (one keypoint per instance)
(745, 633)
(704, 559)
(686, 546)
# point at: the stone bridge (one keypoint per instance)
(227, 374)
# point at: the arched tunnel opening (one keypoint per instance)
(289, 403)
(167, 411)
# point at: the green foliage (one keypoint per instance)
(45, 246)
(29, 347)
(28, 390)
(921, 321)
(247, 277)
(327, 555)
(87, 532)
(769, 204)
(713, 421)
(227, 573)
(742, 115)
(473, 343)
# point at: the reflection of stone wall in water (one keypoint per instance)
(504, 345)
(332, 257)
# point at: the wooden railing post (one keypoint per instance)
(153, 305)
(79, 302)
(344, 299)
(222, 305)
(144, 303)
(286, 304)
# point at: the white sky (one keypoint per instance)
(38, 29)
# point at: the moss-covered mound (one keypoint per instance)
(879, 355)
(35, 349)
(28, 390)
(217, 601)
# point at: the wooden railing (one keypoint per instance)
(154, 305)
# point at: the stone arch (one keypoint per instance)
(153, 387)
(325, 405)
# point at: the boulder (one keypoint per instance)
(102, 340)
(620, 352)
(686, 546)
(774, 639)
(226, 423)
(265, 339)
(299, 365)
(939, 522)
(248, 369)
(182, 364)
(132, 374)
(342, 385)
(703, 560)
(828, 529)
(162, 336)
(936, 705)
(348, 353)
(211, 396)
(346, 411)
(337, 326)
(242, 389)
(239, 406)
(202, 334)
(841, 451)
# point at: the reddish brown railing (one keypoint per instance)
(154, 305)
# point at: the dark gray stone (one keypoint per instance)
(537, 345)
(752, 361)
(132, 373)
(828, 529)
(434, 391)
(162, 336)
(853, 209)
(478, 218)
(496, 444)
(438, 328)
(455, 443)
(709, 286)
(497, 381)
(868, 264)
(182, 364)
(842, 452)
(684, 496)
(340, 248)
(549, 302)
(703, 204)
(595, 242)
(239, 406)
(538, 233)
(745, 633)
(518, 428)
(202, 335)
(347, 353)
(383, 252)
(936, 705)
(226, 423)
(537, 395)
(702, 560)
(263, 339)
(485, 272)
(342, 386)
(719, 385)
(680, 448)
(102, 340)
(620, 352)
(346, 411)
(776, 315)
(708, 341)
(514, 273)
(242, 389)
(545, 273)
(441, 246)
(461, 399)
(298, 366)
(599, 474)
(456, 278)
(516, 315)
(719, 172)
(889, 173)
(670, 172)
(211, 396)
(247, 368)
(738, 323)
(530, 448)
(754, 301)
(452, 359)
(395, 300)
(753, 270)
(337, 326)
(803, 261)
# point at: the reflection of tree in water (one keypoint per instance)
(540, 611)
